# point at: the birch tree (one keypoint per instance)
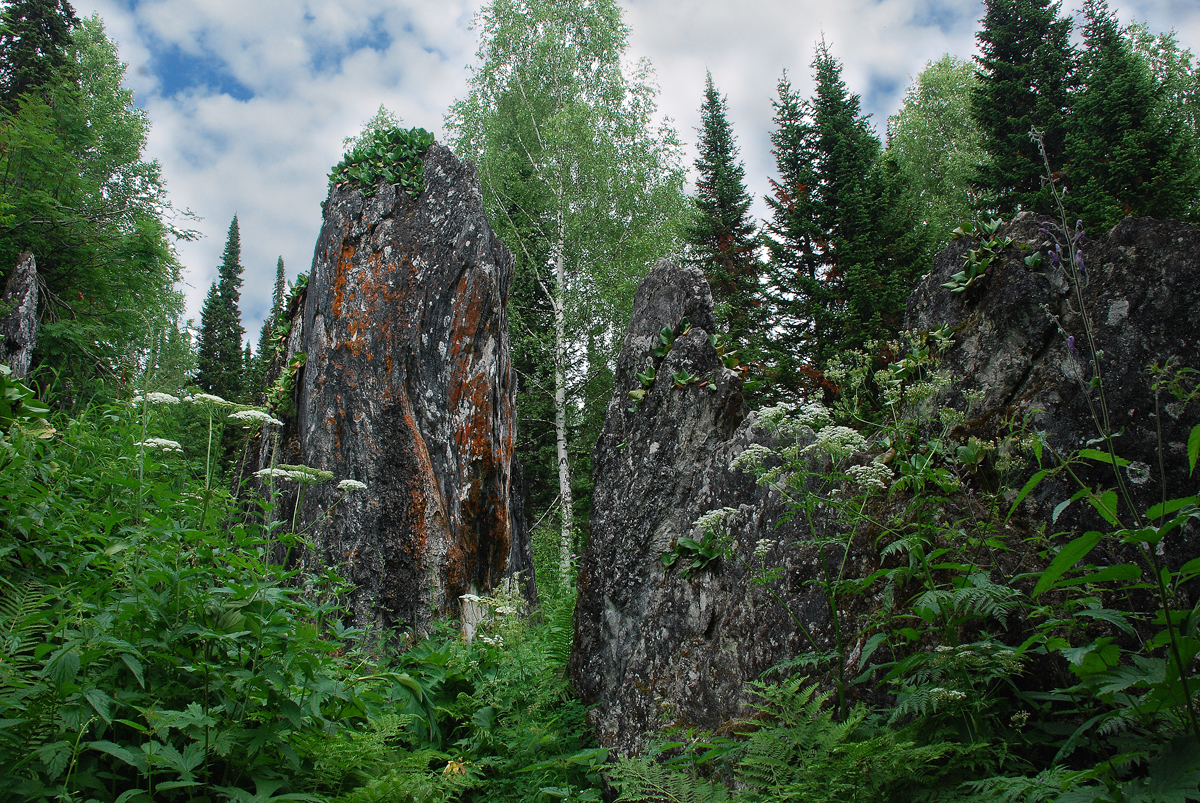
(583, 186)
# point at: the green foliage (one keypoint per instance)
(35, 43)
(19, 407)
(937, 146)
(844, 256)
(75, 191)
(152, 650)
(977, 262)
(1026, 74)
(390, 154)
(219, 358)
(1125, 155)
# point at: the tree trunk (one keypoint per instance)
(566, 539)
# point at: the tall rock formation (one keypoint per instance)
(651, 647)
(407, 387)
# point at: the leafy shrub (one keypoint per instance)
(391, 154)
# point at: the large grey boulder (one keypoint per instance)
(408, 388)
(652, 648)
(18, 316)
(1011, 346)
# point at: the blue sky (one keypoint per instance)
(250, 99)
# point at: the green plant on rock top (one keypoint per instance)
(390, 154)
(977, 262)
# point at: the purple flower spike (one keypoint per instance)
(1078, 236)
(1079, 259)
(1054, 258)
(1071, 346)
(1045, 232)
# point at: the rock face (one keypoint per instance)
(408, 388)
(652, 648)
(1011, 345)
(18, 316)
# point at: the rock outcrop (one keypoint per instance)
(407, 387)
(652, 648)
(1011, 346)
(18, 316)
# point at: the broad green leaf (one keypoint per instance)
(1071, 554)
(1102, 457)
(1193, 449)
(1106, 506)
(1028, 489)
(1170, 506)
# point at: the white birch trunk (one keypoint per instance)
(566, 539)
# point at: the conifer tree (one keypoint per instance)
(220, 358)
(842, 264)
(721, 237)
(1026, 71)
(265, 344)
(1123, 158)
(35, 37)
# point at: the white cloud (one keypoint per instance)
(272, 87)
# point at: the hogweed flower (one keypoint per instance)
(351, 485)
(305, 475)
(155, 397)
(207, 398)
(255, 415)
(764, 546)
(871, 477)
(837, 441)
(161, 444)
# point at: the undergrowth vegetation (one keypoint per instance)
(149, 649)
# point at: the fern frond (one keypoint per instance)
(639, 780)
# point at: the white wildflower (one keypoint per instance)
(305, 475)
(837, 441)
(474, 599)
(492, 641)
(506, 610)
(351, 485)
(940, 695)
(160, 443)
(155, 398)
(207, 398)
(752, 458)
(713, 518)
(255, 416)
(815, 415)
(763, 546)
(872, 476)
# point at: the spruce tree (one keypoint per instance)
(721, 237)
(1123, 158)
(266, 345)
(795, 241)
(843, 255)
(221, 359)
(35, 39)
(1026, 72)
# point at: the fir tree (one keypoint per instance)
(266, 345)
(795, 242)
(843, 255)
(1123, 157)
(1026, 71)
(35, 38)
(220, 358)
(721, 236)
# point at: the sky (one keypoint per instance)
(250, 100)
